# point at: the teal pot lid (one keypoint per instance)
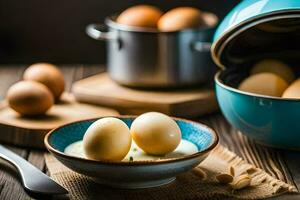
(257, 29)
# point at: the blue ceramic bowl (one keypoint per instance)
(269, 120)
(136, 174)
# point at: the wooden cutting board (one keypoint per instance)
(101, 90)
(30, 132)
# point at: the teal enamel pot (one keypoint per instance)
(252, 31)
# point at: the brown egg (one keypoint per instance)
(180, 18)
(48, 75)
(265, 84)
(29, 98)
(155, 133)
(293, 91)
(140, 16)
(276, 67)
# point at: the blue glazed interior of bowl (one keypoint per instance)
(201, 136)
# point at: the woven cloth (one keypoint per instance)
(270, 176)
(186, 186)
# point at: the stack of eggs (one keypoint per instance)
(174, 20)
(42, 86)
(272, 78)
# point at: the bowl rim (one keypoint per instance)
(56, 152)
(219, 82)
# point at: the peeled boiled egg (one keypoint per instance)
(29, 98)
(155, 133)
(265, 84)
(180, 18)
(274, 66)
(140, 16)
(107, 139)
(293, 91)
(48, 75)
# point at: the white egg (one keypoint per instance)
(107, 139)
(155, 133)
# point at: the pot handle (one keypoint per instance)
(98, 32)
(201, 46)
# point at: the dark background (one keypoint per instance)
(54, 30)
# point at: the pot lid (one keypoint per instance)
(257, 29)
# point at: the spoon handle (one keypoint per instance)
(33, 179)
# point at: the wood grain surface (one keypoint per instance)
(101, 90)
(30, 131)
(9, 180)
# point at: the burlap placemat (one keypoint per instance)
(186, 186)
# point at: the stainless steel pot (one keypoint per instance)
(144, 57)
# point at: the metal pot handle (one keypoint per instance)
(201, 46)
(98, 32)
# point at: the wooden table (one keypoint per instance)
(12, 188)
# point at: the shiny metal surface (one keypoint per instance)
(33, 180)
(97, 32)
(142, 57)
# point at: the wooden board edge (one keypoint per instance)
(127, 104)
(22, 137)
(189, 109)
(79, 88)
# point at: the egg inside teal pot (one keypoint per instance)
(252, 32)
